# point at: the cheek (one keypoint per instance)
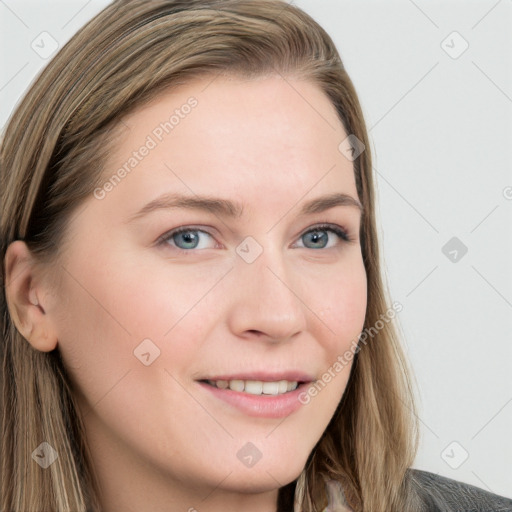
(96, 344)
(342, 304)
(99, 326)
(108, 315)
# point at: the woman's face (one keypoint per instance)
(247, 292)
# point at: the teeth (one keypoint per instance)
(256, 387)
(236, 385)
(270, 388)
(222, 384)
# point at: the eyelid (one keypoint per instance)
(340, 231)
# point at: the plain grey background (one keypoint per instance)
(435, 83)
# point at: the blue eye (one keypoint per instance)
(185, 238)
(319, 238)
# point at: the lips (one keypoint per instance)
(262, 399)
(259, 393)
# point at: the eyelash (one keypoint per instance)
(333, 228)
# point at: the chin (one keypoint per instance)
(255, 481)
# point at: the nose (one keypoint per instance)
(266, 299)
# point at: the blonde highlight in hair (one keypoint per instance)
(51, 159)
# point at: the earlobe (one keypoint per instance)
(40, 339)
(23, 298)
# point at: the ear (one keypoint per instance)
(26, 294)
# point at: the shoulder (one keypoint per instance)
(441, 494)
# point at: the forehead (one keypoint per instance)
(225, 135)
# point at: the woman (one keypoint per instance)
(190, 264)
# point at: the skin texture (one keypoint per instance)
(159, 441)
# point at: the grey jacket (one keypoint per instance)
(442, 494)
(429, 492)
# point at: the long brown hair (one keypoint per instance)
(51, 159)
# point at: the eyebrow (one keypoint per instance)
(231, 209)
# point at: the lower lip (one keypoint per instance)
(263, 406)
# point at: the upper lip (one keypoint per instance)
(291, 376)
